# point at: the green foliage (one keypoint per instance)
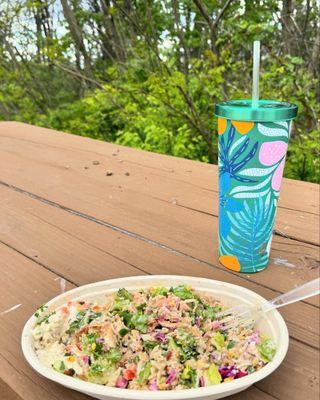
(155, 84)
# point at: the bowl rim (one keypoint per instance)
(132, 394)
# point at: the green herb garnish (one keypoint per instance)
(123, 332)
(231, 345)
(40, 310)
(46, 318)
(90, 344)
(77, 323)
(149, 345)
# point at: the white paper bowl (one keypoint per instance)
(272, 324)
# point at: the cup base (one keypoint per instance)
(232, 263)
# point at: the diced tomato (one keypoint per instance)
(133, 368)
(96, 308)
(129, 374)
(65, 310)
(169, 355)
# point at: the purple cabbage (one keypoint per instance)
(161, 337)
(121, 383)
(241, 374)
(201, 382)
(153, 385)
(171, 377)
(228, 372)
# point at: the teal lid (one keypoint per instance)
(267, 110)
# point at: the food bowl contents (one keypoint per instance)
(150, 339)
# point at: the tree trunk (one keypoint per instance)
(112, 32)
(183, 58)
(76, 34)
(287, 25)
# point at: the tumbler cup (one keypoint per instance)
(253, 144)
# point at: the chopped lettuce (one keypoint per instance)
(137, 321)
(122, 300)
(144, 373)
(206, 312)
(99, 373)
(183, 291)
(90, 344)
(113, 356)
(218, 340)
(213, 375)
(267, 349)
(188, 377)
(187, 343)
(124, 294)
(59, 366)
(158, 291)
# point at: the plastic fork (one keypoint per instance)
(244, 315)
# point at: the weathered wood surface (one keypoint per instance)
(61, 216)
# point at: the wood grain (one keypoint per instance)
(83, 251)
(62, 217)
(36, 150)
(179, 228)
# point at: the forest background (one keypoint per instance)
(147, 73)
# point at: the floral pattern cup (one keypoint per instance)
(251, 162)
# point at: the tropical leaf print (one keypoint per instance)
(253, 188)
(257, 171)
(251, 195)
(249, 237)
(272, 132)
(236, 144)
(233, 163)
(282, 123)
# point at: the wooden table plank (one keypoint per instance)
(176, 227)
(106, 232)
(84, 251)
(196, 174)
(30, 287)
(187, 193)
(35, 285)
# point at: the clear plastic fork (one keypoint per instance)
(245, 316)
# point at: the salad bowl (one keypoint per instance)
(271, 323)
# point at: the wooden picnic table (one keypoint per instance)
(77, 210)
